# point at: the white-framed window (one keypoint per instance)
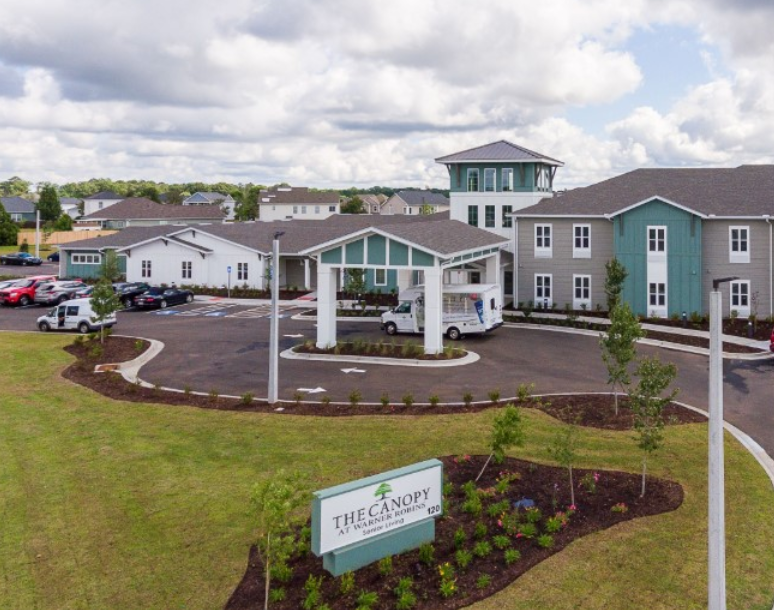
(507, 179)
(543, 290)
(543, 241)
(295, 210)
(473, 215)
(543, 178)
(656, 295)
(242, 272)
(418, 278)
(738, 244)
(86, 259)
(581, 241)
(656, 240)
(100, 205)
(303, 209)
(146, 269)
(187, 270)
(16, 217)
(740, 297)
(317, 209)
(490, 176)
(581, 291)
(489, 216)
(472, 179)
(380, 277)
(507, 220)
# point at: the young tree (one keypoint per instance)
(648, 400)
(104, 303)
(618, 346)
(49, 206)
(354, 206)
(507, 431)
(63, 223)
(109, 269)
(9, 230)
(615, 275)
(564, 449)
(355, 282)
(277, 501)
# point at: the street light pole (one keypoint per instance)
(274, 335)
(717, 520)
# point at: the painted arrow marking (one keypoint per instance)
(352, 370)
(293, 336)
(316, 390)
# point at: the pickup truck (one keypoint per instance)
(22, 292)
(20, 258)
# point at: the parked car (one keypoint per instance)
(160, 297)
(22, 292)
(84, 292)
(20, 258)
(57, 292)
(53, 257)
(76, 314)
(5, 283)
(129, 291)
(771, 341)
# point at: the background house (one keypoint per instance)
(414, 202)
(226, 201)
(20, 209)
(286, 203)
(100, 201)
(71, 206)
(139, 211)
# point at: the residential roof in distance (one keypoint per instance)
(105, 195)
(502, 151)
(140, 208)
(17, 205)
(419, 197)
(297, 195)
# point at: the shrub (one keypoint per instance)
(494, 396)
(404, 585)
(482, 549)
(589, 482)
(139, 345)
(355, 396)
(214, 395)
(511, 556)
(187, 391)
(385, 566)
(366, 600)
(533, 514)
(545, 541)
(277, 595)
(434, 400)
(473, 506)
(620, 508)
(459, 538)
(527, 530)
(347, 583)
(480, 530)
(406, 601)
(408, 399)
(313, 588)
(501, 542)
(498, 508)
(467, 398)
(483, 581)
(426, 553)
(553, 524)
(385, 399)
(463, 558)
(325, 400)
(448, 588)
(247, 398)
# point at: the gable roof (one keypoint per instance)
(745, 191)
(105, 195)
(210, 197)
(121, 239)
(420, 197)
(140, 208)
(17, 205)
(501, 151)
(297, 195)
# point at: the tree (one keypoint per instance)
(648, 402)
(426, 209)
(564, 450)
(149, 192)
(49, 206)
(9, 230)
(355, 281)
(615, 275)
(109, 269)
(174, 196)
(104, 303)
(354, 205)
(618, 347)
(246, 210)
(507, 431)
(14, 186)
(276, 502)
(63, 223)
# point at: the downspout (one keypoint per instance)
(767, 218)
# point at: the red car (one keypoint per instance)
(22, 292)
(771, 341)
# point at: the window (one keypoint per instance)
(489, 216)
(581, 293)
(295, 210)
(581, 241)
(473, 215)
(490, 175)
(543, 247)
(543, 294)
(656, 240)
(507, 220)
(657, 294)
(507, 179)
(242, 272)
(543, 178)
(332, 208)
(86, 259)
(380, 277)
(303, 209)
(739, 244)
(317, 209)
(16, 217)
(146, 269)
(99, 205)
(473, 180)
(740, 297)
(417, 278)
(187, 271)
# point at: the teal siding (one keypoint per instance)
(419, 258)
(462, 185)
(399, 253)
(88, 272)
(331, 257)
(684, 287)
(355, 253)
(377, 250)
(392, 281)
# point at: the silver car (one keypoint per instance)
(52, 293)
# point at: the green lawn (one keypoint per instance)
(116, 505)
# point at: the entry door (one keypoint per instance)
(658, 285)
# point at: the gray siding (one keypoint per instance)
(562, 265)
(715, 254)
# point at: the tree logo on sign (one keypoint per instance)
(383, 490)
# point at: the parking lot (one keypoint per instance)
(223, 346)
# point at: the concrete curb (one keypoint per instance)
(470, 358)
(702, 351)
(130, 370)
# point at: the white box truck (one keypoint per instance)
(466, 309)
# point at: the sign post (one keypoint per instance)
(228, 271)
(357, 523)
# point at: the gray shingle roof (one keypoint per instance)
(502, 151)
(747, 190)
(445, 236)
(419, 197)
(140, 208)
(299, 196)
(121, 239)
(17, 205)
(105, 195)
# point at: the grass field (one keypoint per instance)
(126, 506)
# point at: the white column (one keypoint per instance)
(433, 310)
(515, 263)
(326, 306)
(717, 525)
(307, 276)
(274, 327)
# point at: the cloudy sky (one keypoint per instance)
(336, 93)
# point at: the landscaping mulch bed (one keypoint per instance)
(408, 350)
(588, 409)
(547, 486)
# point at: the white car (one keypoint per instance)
(76, 314)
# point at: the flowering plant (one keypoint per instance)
(461, 459)
(620, 508)
(589, 482)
